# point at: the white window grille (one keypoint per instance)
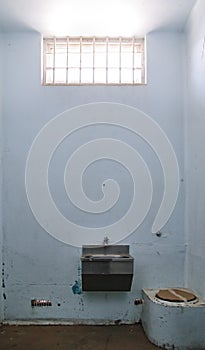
(83, 60)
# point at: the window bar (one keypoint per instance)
(143, 63)
(107, 39)
(54, 59)
(67, 43)
(80, 59)
(44, 61)
(133, 60)
(120, 51)
(93, 60)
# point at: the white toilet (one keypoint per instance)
(174, 318)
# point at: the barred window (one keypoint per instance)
(83, 60)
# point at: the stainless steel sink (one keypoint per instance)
(106, 268)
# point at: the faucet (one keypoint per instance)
(105, 240)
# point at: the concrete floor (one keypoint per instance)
(129, 337)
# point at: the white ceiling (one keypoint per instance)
(94, 17)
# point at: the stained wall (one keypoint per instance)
(38, 265)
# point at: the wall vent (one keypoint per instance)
(40, 302)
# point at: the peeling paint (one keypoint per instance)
(76, 288)
(38, 265)
(3, 281)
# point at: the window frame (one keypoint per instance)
(95, 41)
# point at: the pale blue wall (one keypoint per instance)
(37, 265)
(194, 147)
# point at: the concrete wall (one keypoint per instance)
(36, 264)
(194, 147)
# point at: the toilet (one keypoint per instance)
(177, 295)
(174, 318)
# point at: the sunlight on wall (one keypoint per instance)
(95, 19)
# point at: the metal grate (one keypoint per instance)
(92, 60)
(40, 302)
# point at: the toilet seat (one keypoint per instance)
(176, 295)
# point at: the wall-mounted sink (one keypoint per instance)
(106, 268)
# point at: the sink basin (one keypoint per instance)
(106, 268)
(105, 256)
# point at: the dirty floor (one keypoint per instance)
(129, 337)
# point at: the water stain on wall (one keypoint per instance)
(76, 288)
